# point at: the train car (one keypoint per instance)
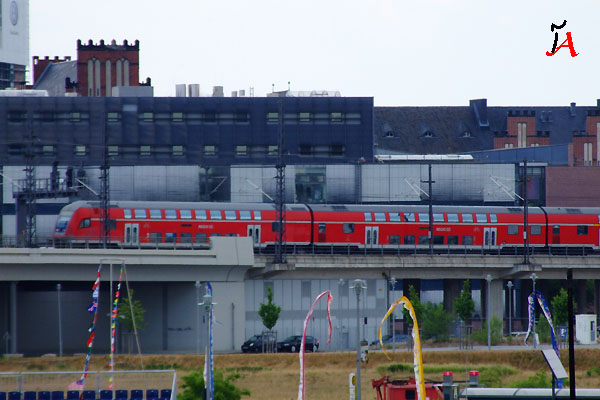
(340, 227)
(477, 393)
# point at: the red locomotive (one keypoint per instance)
(385, 227)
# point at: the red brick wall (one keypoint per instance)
(578, 142)
(572, 186)
(591, 124)
(511, 125)
(40, 65)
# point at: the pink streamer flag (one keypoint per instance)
(302, 387)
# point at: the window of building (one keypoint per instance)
(305, 117)
(522, 134)
(210, 117)
(273, 150)
(185, 214)
(335, 117)
(508, 145)
(48, 150)
(305, 149)
(245, 215)
(536, 230)
(155, 214)
(113, 117)
(200, 214)
(177, 116)
(513, 229)
(273, 117)
(587, 154)
(582, 230)
(15, 149)
(241, 150)
(467, 240)
(16, 116)
(145, 150)
(147, 117)
(170, 214)
(348, 228)
(140, 213)
(379, 217)
(453, 239)
(113, 150)
(75, 117)
(336, 150)
(177, 150)
(409, 239)
(352, 118)
(394, 217)
(452, 217)
(215, 214)
(242, 117)
(467, 218)
(230, 214)
(210, 150)
(80, 150)
(394, 239)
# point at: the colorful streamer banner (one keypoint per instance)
(544, 306)
(113, 328)
(302, 387)
(417, 356)
(93, 309)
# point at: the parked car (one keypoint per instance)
(254, 344)
(398, 338)
(292, 344)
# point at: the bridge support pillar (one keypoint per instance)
(452, 290)
(581, 296)
(13, 317)
(597, 296)
(496, 298)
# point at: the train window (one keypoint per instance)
(452, 217)
(423, 217)
(186, 238)
(582, 229)
(155, 237)
(200, 214)
(452, 239)
(140, 213)
(467, 240)
(200, 237)
(423, 239)
(215, 214)
(481, 218)
(513, 229)
(438, 217)
(556, 230)
(410, 217)
(395, 217)
(409, 239)
(244, 215)
(493, 218)
(322, 228)
(155, 214)
(257, 215)
(467, 218)
(112, 224)
(185, 214)
(170, 237)
(170, 214)
(230, 214)
(379, 217)
(275, 226)
(216, 234)
(348, 228)
(231, 234)
(394, 239)
(85, 223)
(438, 239)
(368, 217)
(536, 230)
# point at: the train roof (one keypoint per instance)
(528, 393)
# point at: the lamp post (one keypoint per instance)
(488, 278)
(208, 305)
(198, 304)
(358, 287)
(509, 285)
(533, 278)
(60, 339)
(393, 282)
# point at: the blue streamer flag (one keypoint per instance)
(544, 306)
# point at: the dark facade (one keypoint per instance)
(177, 131)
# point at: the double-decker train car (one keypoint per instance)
(385, 227)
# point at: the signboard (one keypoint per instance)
(14, 32)
(554, 363)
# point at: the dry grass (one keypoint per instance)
(275, 376)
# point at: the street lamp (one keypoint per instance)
(533, 278)
(393, 282)
(197, 286)
(60, 339)
(510, 286)
(488, 278)
(207, 304)
(358, 287)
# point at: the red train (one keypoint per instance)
(394, 227)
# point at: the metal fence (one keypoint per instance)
(96, 380)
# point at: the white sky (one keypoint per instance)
(401, 52)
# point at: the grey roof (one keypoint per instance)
(53, 77)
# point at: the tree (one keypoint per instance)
(436, 322)
(269, 312)
(124, 313)
(418, 306)
(464, 304)
(560, 307)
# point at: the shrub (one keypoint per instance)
(480, 335)
(539, 380)
(436, 322)
(224, 388)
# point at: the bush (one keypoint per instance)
(436, 322)
(543, 329)
(539, 380)
(480, 336)
(224, 388)
(492, 376)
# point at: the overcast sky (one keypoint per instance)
(401, 52)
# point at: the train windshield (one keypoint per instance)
(61, 224)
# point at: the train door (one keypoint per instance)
(489, 238)
(132, 234)
(254, 233)
(371, 237)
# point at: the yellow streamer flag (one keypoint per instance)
(417, 357)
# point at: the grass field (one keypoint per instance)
(276, 376)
